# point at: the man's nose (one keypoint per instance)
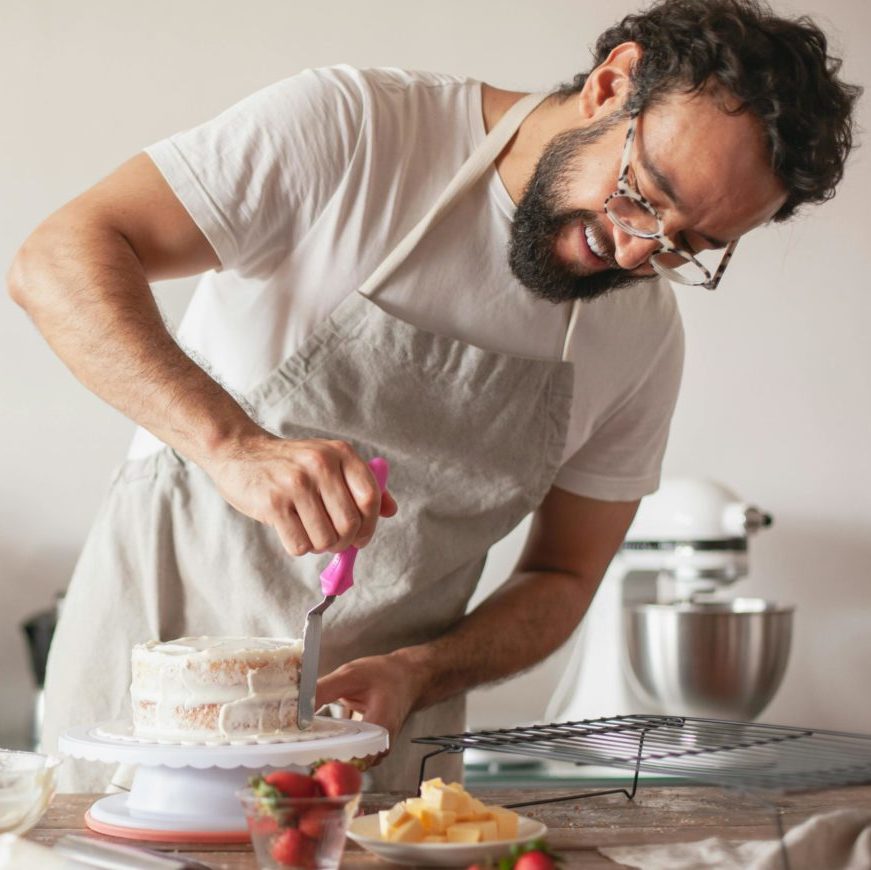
(630, 251)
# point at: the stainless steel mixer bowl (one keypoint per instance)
(721, 660)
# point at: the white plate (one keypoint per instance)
(364, 832)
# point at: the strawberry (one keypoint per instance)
(291, 849)
(292, 784)
(535, 860)
(263, 825)
(534, 855)
(316, 819)
(338, 778)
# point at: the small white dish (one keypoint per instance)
(365, 832)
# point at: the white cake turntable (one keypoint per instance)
(186, 792)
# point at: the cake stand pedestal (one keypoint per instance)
(185, 793)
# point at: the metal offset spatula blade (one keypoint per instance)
(336, 578)
(311, 653)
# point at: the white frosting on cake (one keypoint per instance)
(202, 688)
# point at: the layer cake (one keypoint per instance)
(215, 688)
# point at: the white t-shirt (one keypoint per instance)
(305, 187)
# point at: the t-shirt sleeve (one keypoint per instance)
(257, 176)
(622, 457)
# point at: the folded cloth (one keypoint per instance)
(839, 840)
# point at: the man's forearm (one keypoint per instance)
(84, 284)
(522, 623)
(88, 294)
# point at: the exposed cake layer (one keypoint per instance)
(207, 688)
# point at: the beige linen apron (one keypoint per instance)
(474, 439)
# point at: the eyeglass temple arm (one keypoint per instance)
(627, 149)
(727, 255)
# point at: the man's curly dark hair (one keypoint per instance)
(778, 68)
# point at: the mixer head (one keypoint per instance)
(694, 532)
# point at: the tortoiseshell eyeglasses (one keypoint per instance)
(635, 215)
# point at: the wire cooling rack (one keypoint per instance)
(744, 755)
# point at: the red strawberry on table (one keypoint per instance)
(292, 784)
(338, 778)
(292, 848)
(314, 820)
(535, 860)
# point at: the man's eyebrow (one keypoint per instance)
(663, 182)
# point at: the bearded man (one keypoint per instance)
(468, 281)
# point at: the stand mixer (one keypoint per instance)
(662, 634)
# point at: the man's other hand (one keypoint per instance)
(382, 690)
(318, 495)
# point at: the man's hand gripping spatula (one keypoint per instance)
(336, 578)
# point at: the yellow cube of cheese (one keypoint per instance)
(475, 811)
(409, 831)
(439, 796)
(438, 821)
(489, 830)
(506, 822)
(388, 819)
(473, 832)
(464, 832)
(434, 821)
(463, 803)
(415, 806)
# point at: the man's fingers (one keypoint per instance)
(292, 534)
(372, 706)
(333, 687)
(344, 513)
(318, 525)
(318, 494)
(388, 504)
(371, 760)
(367, 495)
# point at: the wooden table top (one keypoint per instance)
(576, 828)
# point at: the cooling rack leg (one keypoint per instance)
(778, 823)
(784, 855)
(637, 765)
(576, 797)
(429, 755)
(572, 797)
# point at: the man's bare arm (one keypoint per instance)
(570, 545)
(83, 276)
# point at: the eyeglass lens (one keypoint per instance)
(635, 218)
(630, 215)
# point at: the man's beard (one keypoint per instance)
(541, 216)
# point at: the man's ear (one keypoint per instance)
(608, 85)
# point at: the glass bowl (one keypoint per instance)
(27, 784)
(306, 833)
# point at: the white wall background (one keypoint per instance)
(777, 393)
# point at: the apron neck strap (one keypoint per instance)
(570, 329)
(474, 167)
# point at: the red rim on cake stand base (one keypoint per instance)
(186, 792)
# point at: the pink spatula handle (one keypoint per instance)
(338, 576)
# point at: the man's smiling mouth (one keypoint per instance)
(595, 245)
